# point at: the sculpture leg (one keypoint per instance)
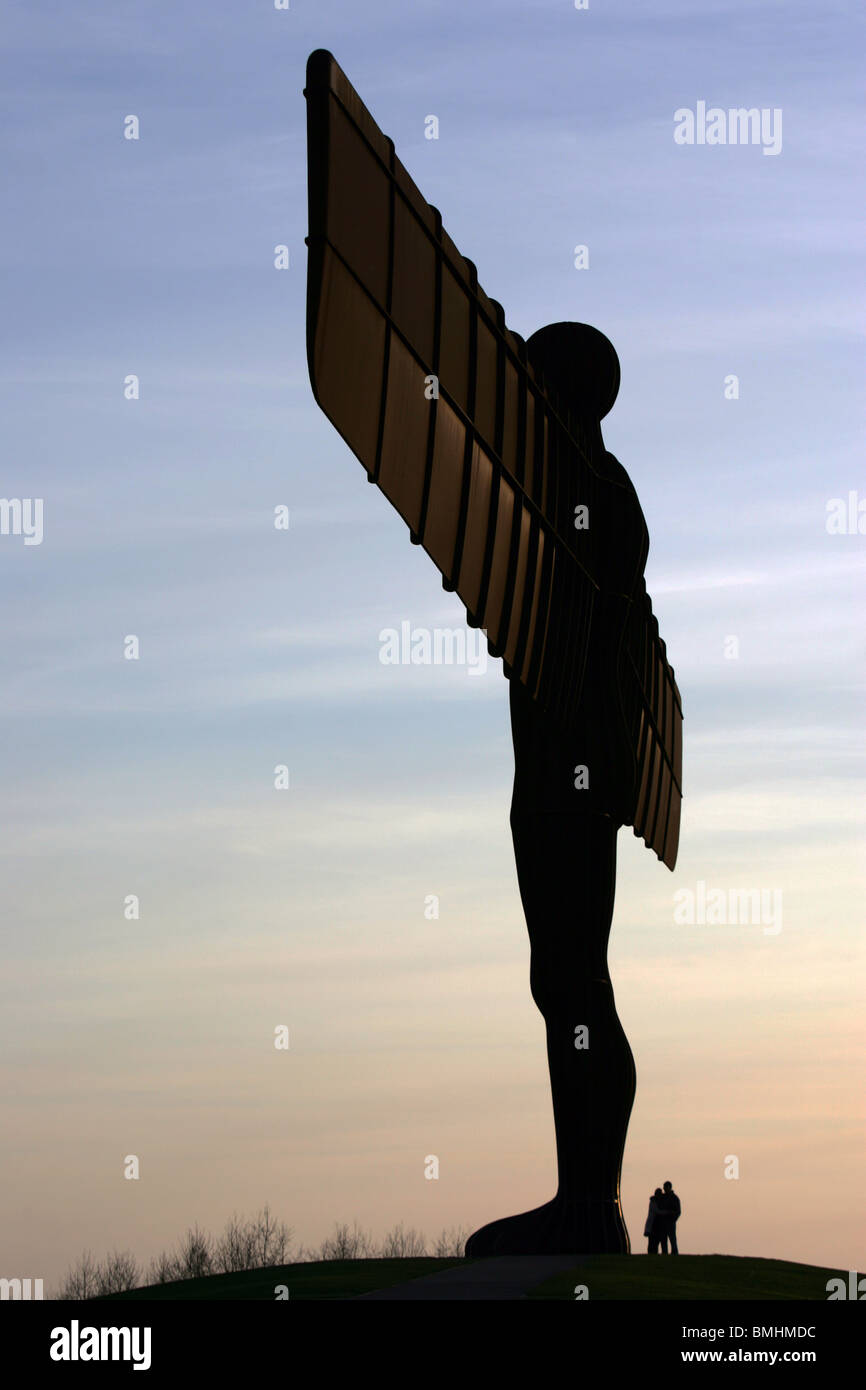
(566, 864)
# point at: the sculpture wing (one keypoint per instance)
(415, 367)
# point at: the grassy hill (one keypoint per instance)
(607, 1277)
(692, 1277)
(318, 1279)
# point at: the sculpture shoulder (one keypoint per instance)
(616, 473)
(635, 521)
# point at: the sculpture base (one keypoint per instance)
(560, 1227)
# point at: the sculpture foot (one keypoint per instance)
(560, 1227)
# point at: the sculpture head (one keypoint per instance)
(580, 362)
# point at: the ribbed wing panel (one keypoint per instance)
(415, 367)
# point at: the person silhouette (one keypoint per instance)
(565, 851)
(669, 1213)
(651, 1229)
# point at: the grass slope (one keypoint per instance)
(319, 1279)
(607, 1277)
(689, 1277)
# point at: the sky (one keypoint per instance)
(304, 907)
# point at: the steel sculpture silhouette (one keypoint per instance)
(490, 448)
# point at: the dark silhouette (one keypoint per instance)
(565, 848)
(490, 448)
(670, 1209)
(651, 1229)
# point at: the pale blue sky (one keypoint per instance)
(260, 647)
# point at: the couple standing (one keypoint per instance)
(661, 1222)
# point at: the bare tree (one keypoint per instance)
(117, 1272)
(346, 1244)
(271, 1240)
(81, 1279)
(451, 1243)
(255, 1244)
(164, 1269)
(400, 1244)
(234, 1249)
(195, 1255)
